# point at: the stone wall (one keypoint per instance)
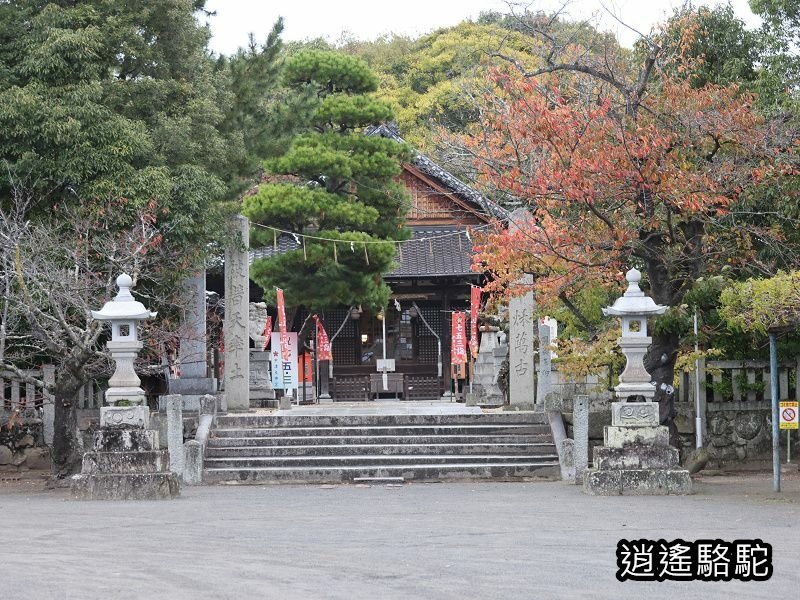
(22, 447)
(738, 437)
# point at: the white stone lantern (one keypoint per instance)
(634, 308)
(125, 398)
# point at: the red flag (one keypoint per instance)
(267, 332)
(474, 304)
(324, 351)
(286, 351)
(458, 351)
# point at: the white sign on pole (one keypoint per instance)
(284, 373)
(788, 412)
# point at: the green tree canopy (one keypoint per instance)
(342, 189)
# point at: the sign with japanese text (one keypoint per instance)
(474, 304)
(284, 371)
(458, 348)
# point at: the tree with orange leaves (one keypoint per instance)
(620, 168)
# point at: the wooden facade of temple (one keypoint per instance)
(432, 279)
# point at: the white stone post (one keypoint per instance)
(580, 433)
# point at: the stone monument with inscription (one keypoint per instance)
(636, 457)
(237, 316)
(126, 462)
(521, 346)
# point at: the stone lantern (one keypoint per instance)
(125, 398)
(635, 457)
(633, 308)
(125, 461)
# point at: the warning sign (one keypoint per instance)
(789, 415)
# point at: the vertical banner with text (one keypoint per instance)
(324, 343)
(459, 341)
(285, 350)
(474, 304)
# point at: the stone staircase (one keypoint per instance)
(331, 449)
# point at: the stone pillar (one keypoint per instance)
(580, 433)
(237, 316)
(175, 433)
(193, 349)
(520, 373)
(544, 383)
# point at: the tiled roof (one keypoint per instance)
(431, 252)
(448, 180)
(286, 242)
(434, 252)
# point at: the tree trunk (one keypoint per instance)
(660, 363)
(660, 359)
(67, 442)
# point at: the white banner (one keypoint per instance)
(284, 372)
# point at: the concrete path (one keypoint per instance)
(439, 541)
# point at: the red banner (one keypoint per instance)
(324, 344)
(458, 351)
(474, 304)
(267, 332)
(286, 350)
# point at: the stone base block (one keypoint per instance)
(189, 402)
(131, 416)
(125, 439)
(636, 457)
(634, 414)
(126, 486)
(621, 437)
(155, 461)
(192, 386)
(637, 482)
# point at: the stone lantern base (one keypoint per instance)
(125, 464)
(636, 458)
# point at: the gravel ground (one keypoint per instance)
(438, 541)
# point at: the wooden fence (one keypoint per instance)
(34, 402)
(738, 384)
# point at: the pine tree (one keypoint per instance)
(342, 188)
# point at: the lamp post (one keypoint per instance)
(125, 398)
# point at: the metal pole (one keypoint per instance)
(698, 417)
(776, 440)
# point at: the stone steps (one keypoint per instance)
(266, 421)
(534, 448)
(439, 472)
(339, 448)
(366, 460)
(384, 430)
(374, 439)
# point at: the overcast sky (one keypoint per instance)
(365, 19)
